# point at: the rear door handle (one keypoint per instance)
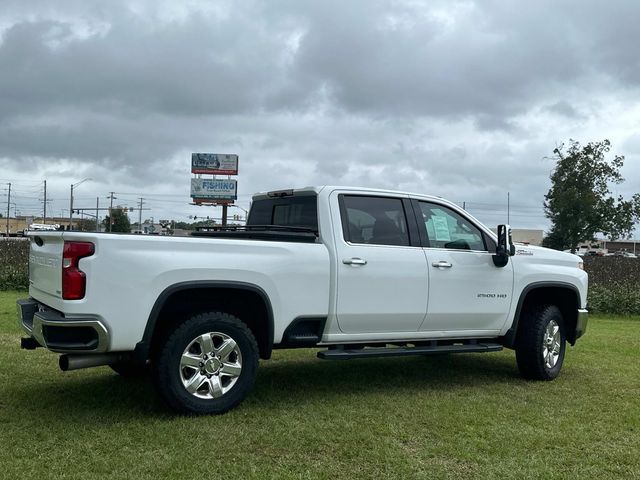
(354, 261)
(442, 264)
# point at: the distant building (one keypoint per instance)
(631, 246)
(17, 225)
(526, 236)
(608, 246)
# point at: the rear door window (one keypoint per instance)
(374, 220)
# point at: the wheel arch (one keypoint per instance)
(177, 302)
(565, 296)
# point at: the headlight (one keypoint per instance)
(581, 265)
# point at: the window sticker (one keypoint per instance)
(441, 227)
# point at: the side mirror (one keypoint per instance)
(505, 247)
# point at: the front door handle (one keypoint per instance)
(442, 264)
(354, 261)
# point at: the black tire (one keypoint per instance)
(169, 373)
(130, 369)
(530, 343)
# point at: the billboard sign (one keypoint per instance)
(214, 163)
(214, 190)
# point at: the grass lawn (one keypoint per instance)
(457, 416)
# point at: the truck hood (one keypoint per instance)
(542, 254)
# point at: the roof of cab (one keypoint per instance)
(310, 190)
(327, 189)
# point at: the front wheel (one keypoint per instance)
(541, 344)
(208, 365)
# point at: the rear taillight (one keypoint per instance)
(74, 281)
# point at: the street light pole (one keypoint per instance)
(246, 212)
(71, 200)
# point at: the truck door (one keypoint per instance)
(382, 281)
(467, 291)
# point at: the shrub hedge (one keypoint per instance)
(614, 285)
(614, 282)
(617, 298)
(610, 270)
(14, 264)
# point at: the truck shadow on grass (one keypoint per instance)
(100, 394)
(316, 378)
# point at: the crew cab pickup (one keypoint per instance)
(355, 272)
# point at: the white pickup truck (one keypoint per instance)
(356, 272)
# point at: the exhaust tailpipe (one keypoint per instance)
(75, 362)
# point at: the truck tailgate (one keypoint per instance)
(45, 263)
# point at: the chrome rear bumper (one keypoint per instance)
(61, 334)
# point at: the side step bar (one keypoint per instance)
(372, 352)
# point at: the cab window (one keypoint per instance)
(374, 220)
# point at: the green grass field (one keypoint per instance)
(459, 416)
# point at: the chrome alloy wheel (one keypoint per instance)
(551, 344)
(210, 365)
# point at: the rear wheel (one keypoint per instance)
(541, 344)
(208, 365)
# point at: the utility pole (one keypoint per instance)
(8, 205)
(110, 211)
(71, 207)
(44, 214)
(508, 208)
(140, 216)
(97, 210)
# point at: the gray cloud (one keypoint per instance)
(462, 99)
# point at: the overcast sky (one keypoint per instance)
(465, 100)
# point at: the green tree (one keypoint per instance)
(184, 226)
(553, 240)
(86, 225)
(579, 202)
(120, 221)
